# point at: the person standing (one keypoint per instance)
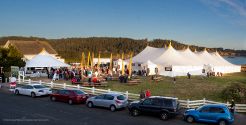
(232, 106)
(142, 95)
(147, 93)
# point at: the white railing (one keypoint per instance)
(131, 96)
(196, 103)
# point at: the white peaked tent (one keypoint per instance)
(44, 59)
(174, 63)
(151, 66)
(171, 62)
(226, 67)
(149, 53)
(142, 60)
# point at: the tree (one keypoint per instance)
(10, 57)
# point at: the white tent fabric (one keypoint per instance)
(226, 67)
(44, 59)
(151, 66)
(181, 62)
(149, 53)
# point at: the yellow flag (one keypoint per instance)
(130, 65)
(92, 60)
(88, 59)
(122, 70)
(82, 63)
(111, 61)
(98, 62)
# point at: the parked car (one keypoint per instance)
(70, 96)
(165, 107)
(33, 90)
(112, 101)
(210, 113)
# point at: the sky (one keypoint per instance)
(209, 23)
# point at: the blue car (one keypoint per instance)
(210, 113)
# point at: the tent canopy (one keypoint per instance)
(44, 59)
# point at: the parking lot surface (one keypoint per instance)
(24, 110)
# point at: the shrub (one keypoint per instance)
(236, 91)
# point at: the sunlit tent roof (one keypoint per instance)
(188, 54)
(149, 53)
(208, 59)
(44, 59)
(171, 57)
(217, 56)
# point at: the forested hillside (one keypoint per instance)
(71, 48)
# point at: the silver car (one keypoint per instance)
(112, 101)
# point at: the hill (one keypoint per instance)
(71, 48)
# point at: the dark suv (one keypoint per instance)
(165, 107)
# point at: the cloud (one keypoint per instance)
(234, 10)
(236, 5)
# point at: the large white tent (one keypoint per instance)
(44, 59)
(143, 59)
(174, 63)
(171, 62)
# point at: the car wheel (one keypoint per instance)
(164, 116)
(190, 119)
(135, 112)
(70, 101)
(17, 92)
(33, 95)
(90, 104)
(112, 108)
(53, 98)
(222, 122)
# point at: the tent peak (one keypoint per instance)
(43, 52)
(170, 44)
(195, 50)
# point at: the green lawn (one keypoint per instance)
(194, 88)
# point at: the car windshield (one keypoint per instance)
(38, 86)
(121, 97)
(79, 92)
(199, 108)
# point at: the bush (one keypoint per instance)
(235, 91)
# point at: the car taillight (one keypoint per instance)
(117, 101)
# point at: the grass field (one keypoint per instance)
(194, 88)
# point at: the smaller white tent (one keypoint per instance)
(44, 59)
(149, 65)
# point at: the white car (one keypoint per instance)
(33, 90)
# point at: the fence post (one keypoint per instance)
(188, 102)
(29, 81)
(109, 90)
(93, 90)
(127, 94)
(64, 85)
(227, 103)
(51, 84)
(40, 82)
(204, 101)
(19, 78)
(78, 86)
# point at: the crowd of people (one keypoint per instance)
(77, 75)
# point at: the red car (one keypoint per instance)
(70, 96)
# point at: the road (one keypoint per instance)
(24, 110)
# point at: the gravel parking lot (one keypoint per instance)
(24, 110)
